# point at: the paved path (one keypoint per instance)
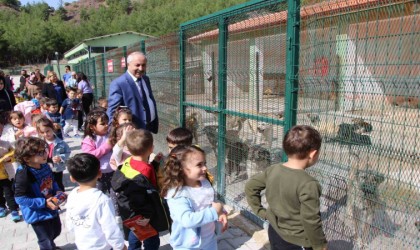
(21, 236)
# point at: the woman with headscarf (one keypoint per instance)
(7, 99)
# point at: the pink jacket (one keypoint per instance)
(101, 148)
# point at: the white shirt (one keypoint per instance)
(149, 100)
(91, 216)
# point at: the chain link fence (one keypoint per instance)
(241, 77)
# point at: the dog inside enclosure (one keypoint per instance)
(259, 158)
(193, 122)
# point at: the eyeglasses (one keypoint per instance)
(42, 153)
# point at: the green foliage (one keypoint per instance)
(38, 30)
(11, 3)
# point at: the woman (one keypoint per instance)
(7, 99)
(55, 89)
(87, 97)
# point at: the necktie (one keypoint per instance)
(144, 99)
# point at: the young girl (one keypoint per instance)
(190, 199)
(16, 128)
(117, 139)
(58, 150)
(96, 142)
(121, 115)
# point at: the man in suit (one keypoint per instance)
(132, 89)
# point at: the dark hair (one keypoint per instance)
(82, 77)
(98, 108)
(44, 121)
(44, 100)
(118, 111)
(29, 147)
(92, 119)
(67, 66)
(116, 132)
(139, 141)
(69, 89)
(83, 167)
(18, 113)
(300, 140)
(180, 136)
(51, 102)
(173, 172)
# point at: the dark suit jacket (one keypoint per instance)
(48, 90)
(124, 92)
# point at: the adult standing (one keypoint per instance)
(7, 99)
(7, 81)
(67, 75)
(54, 89)
(22, 80)
(132, 89)
(87, 97)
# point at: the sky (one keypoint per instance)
(52, 3)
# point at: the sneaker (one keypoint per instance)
(15, 216)
(81, 130)
(2, 212)
(67, 136)
(76, 136)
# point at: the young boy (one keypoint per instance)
(292, 194)
(37, 97)
(55, 117)
(69, 110)
(35, 189)
(102, 102)
(90, 213)
(135, 181)
(43, 105)
(79, 95)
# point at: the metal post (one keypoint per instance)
(292, 65)
(221, 177)
(182, 77)
(58, 65)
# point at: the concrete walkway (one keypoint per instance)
(242, 234)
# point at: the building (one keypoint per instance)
(92, 47)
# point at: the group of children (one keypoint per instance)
(172, 192)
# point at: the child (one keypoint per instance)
(96, 142)
(90, 213)
(103, 102)
(35, 189)
(118, 140)
(69, 109)
(190, 198)
(43, 105)
(16, 128)
(121, 115)
(6, 191)
(292, 194)
(37, 97)
(55, 117)
(135, 181)
(58, 150)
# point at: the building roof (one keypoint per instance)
(321, 9)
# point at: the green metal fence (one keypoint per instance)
(241, 77)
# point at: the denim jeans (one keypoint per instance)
(151, 243)
(46, 231)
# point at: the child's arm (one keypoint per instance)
(88, 146)
(61, 110)
(64, 155)
(311, 216)
(253, 189)
(110, 228)
(181, 211)
(7, 157)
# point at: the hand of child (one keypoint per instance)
(50, 204)
(56, 159)
(218, 206)
(7, 159)
(56, 126)
(121, 142)
(19, 133)
(224, 220)
(158, 157)
(143, 222)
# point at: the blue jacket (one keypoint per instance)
(124, 92)
(32, 188)
(63, 150)
(186, 223)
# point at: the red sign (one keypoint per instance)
(123, 62)
(110, 65)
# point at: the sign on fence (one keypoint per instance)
(123, 62)
(110, 65)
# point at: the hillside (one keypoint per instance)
(74, 9)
